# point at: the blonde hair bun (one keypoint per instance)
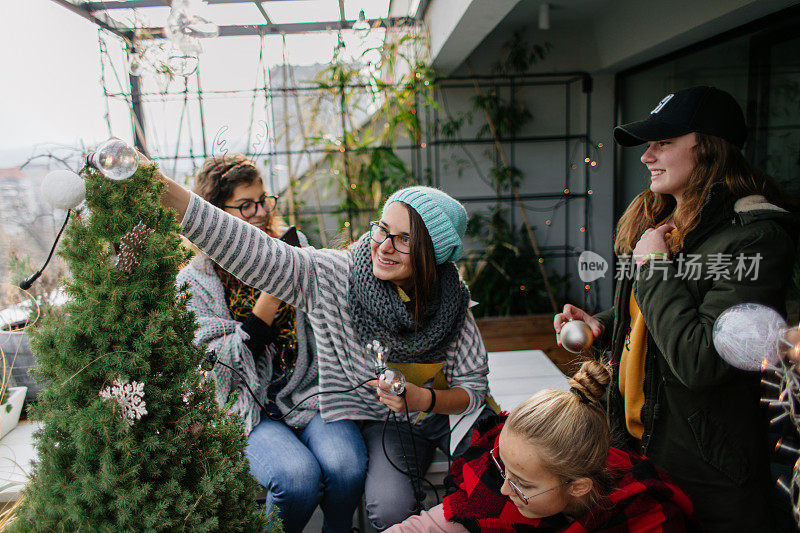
(592, 379)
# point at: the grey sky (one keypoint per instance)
(50, 78)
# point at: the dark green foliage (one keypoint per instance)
(394, 93)
(509, 116)
(181, 467)
(504, 277)
(520, 55)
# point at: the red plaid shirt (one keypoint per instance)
(643, 500)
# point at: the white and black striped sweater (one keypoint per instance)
(316, 281)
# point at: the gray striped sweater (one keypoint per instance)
(316, 281)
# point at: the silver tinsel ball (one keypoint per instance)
(576, 336)
(746, 335)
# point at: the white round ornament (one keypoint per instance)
(576, 336)
(63, 189)
(746, 335)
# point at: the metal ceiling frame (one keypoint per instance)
(96, 12)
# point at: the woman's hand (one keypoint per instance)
(175, 196)
(417, 398)
(653, 241)
(571, 312)
(144, 161)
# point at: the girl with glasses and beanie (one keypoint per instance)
(549, 467)
(300, 459)
(396, 285)
(710, 232)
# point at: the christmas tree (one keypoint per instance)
(132, 437)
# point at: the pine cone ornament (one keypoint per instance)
(130, 245)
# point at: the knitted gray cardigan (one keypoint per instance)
(221, 333)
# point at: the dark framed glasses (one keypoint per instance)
(495, 455)
(249, 208)
(401, 243)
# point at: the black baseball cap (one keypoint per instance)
(698, 109)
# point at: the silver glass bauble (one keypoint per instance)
(576, 336)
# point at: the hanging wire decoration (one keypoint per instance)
(219, 148)
(755, 337)
(261, 139)
(781, 395)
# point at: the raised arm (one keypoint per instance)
(175, 196)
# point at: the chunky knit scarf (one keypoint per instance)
(379, 314)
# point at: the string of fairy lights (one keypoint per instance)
(781, 396)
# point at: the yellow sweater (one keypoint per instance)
(631, 371)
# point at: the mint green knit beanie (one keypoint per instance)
(444, 217)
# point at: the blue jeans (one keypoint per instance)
(324, 464)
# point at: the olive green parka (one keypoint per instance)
(703, 423)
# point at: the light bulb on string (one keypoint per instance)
(183, 64)
(135, 64)
(184, 57)
(183, 21)
(63, 189)
(395, 379)
(361, 27)
(789, 344)
(115, 159)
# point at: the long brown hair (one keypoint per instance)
(423, 264)
(571, 434)
(716, 161)
(219, 176)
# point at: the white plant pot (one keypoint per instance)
(10, 410)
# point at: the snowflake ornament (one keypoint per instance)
(129, 396)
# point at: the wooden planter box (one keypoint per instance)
(530, 332)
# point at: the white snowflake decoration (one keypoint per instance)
(129, 396)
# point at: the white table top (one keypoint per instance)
(16, 455)
(515, 376)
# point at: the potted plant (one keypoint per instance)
(11, 398)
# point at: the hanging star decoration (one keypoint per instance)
(130, 245)
(130, 398)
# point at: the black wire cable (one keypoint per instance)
(27, 282)
(211, 357)
(418, 492)
(412, 478)
(388, 458)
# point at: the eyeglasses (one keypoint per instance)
(249, 208)
(495, 455)
(401, 243)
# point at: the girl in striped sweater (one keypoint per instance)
(300, 460)
(396, 285)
